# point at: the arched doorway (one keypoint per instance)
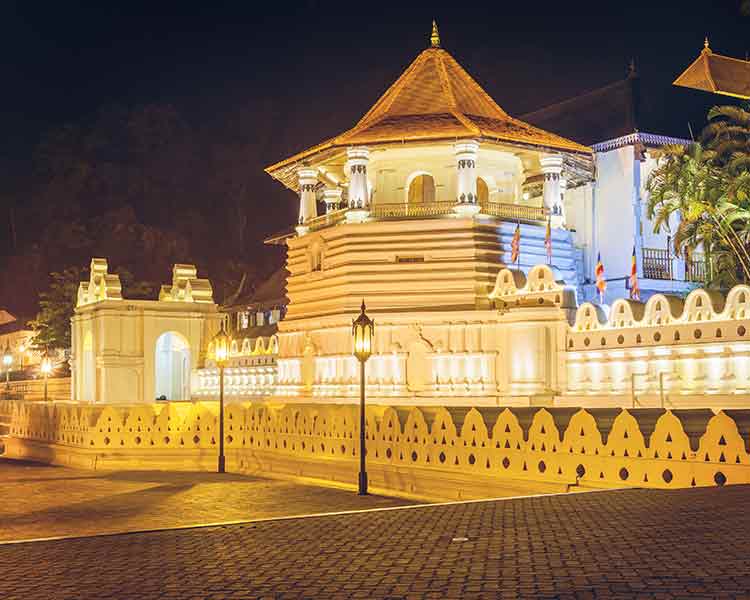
(172, 376)
(422, 189)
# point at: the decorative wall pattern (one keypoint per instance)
(596, 447)
(696, 345)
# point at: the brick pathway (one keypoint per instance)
(615, 544)
(42, 501)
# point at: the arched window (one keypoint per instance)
(422, 189)
(483, 192)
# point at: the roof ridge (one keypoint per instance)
(388, 96)
(445, 84)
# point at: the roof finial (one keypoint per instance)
(435, 37)
(705, 45)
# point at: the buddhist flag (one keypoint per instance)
(515, 245)
(548, 241)
(635, 291)
(601, 283)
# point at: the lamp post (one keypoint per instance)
(7, 361)
(363, 330)
(46, 368)
(221, 343)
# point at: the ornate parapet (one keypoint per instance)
(514, 289)
(562, 446)
(664, 320)
(101, 284)
(668, 346)
(186, 286)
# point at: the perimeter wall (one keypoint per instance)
(429, 452)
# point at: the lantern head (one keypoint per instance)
(221, 344)
(7, 356)
(363, 330)
(46, 365)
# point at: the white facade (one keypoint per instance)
(126, 351)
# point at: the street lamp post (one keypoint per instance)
(46, 368)
(363, 330)
(7, 361)
(221, 343)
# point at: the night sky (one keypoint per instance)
(306, 71)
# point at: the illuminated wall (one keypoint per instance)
(535, 346)
(436, 452)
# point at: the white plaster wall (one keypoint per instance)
(615, 226)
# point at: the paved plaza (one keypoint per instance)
(613, 544)
(39, 501)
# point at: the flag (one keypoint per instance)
(515, 245)
(635, 291)
(548, 241)
(601, 283)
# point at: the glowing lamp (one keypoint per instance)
(363, 330)
(46, 368)
(221, 343)
(7, 356)
(46, 365)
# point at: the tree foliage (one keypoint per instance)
(143, 188)
(706, 184)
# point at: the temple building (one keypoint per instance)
(472, 236)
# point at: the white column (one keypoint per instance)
(308, 179)
(466, 180)
(359, 191)
(332, 197)
(552, 169)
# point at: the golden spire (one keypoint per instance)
(435, 37)
(705, 45)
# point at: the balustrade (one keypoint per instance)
(658, 264)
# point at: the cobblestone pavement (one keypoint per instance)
(43, 501)
(614, 544)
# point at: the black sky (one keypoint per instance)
(323, 64)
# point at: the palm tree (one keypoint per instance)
(706, 185)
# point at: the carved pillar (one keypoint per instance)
(332, 197)
(466, 182)
(359, 192)
(552, 169)
(308, 179)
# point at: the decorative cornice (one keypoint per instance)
(638, 137)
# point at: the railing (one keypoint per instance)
(400, 210)
(327, 220)
(510, 212)
(695, 269)
(404, 209)
(514, 212)
(657, 263)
